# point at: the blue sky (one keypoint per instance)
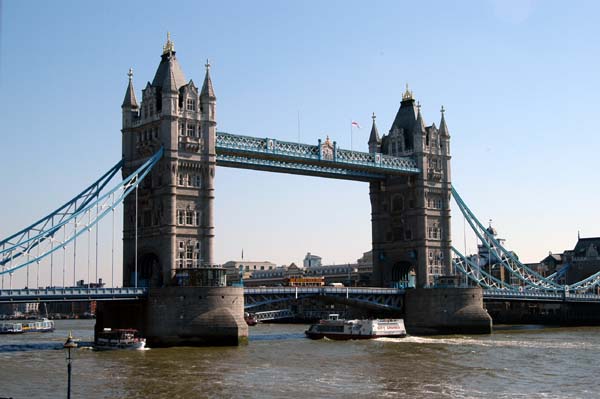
(519, 81)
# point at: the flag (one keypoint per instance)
(355, 123)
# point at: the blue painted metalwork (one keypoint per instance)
(539, 296)
(50, 224)
(275, 155)
(529, 278)
(94, 206)
(71, 294)
(386, 298)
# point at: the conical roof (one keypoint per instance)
(207, 86)
(169, 74)
(374, 137)
(130, 101)
(443, 127)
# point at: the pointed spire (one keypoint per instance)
(374, 137)
(130, 101)
(207, 87)
(420, 124)
(443, 127)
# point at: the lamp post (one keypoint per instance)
(68, 345)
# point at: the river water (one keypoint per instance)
(278, 362)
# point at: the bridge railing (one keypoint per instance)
(71, 292)
(323, 290)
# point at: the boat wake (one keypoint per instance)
(486, 342)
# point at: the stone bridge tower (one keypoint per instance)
(175, 227)
(170, 243)
(411, 214)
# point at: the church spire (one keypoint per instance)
(130, 101)
(443, 127)
(207, 87)
(374, 140)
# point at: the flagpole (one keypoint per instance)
(351, 147)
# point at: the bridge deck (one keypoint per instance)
(128, 293)
(71, 294)
(296, 158)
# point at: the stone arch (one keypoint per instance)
(403, 275)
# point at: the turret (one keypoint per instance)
(208, 103)
(444, 134)
(374, 140)
(130, 106)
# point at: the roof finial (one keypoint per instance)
(373, 117)
(408, 95)
(207, 65)
(130, 73)
(443, 110)
(419, 106)
(169, 46)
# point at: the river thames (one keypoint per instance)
(279, 362)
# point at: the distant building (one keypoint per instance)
(237, 269)
(582, 261)
(573, 265)
(488, 260)
(351, 274)
(311, 260)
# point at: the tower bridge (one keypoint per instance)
(177, 294)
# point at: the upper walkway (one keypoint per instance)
(324, 159)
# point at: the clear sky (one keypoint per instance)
(519, 80)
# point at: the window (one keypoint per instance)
(191, 104)
(181, 179)
(180, 217)
(189, 253)
(188, 217)
(191, 130)
(197, 180)
(181, 128)
(189, 180)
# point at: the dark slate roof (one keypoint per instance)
(443, 128)
(130, 100)
(406, 119)
(406, 116)
(169, 73)
(555, 258)
(374, 137)
(207, 87)
(584, 243)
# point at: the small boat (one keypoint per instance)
(43, 325)
(11, 328)
(119, 339)
(250, 319)
(340, 329)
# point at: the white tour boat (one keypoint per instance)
(119, 339)
(11, 328)
(339, 329)
(43, 325)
